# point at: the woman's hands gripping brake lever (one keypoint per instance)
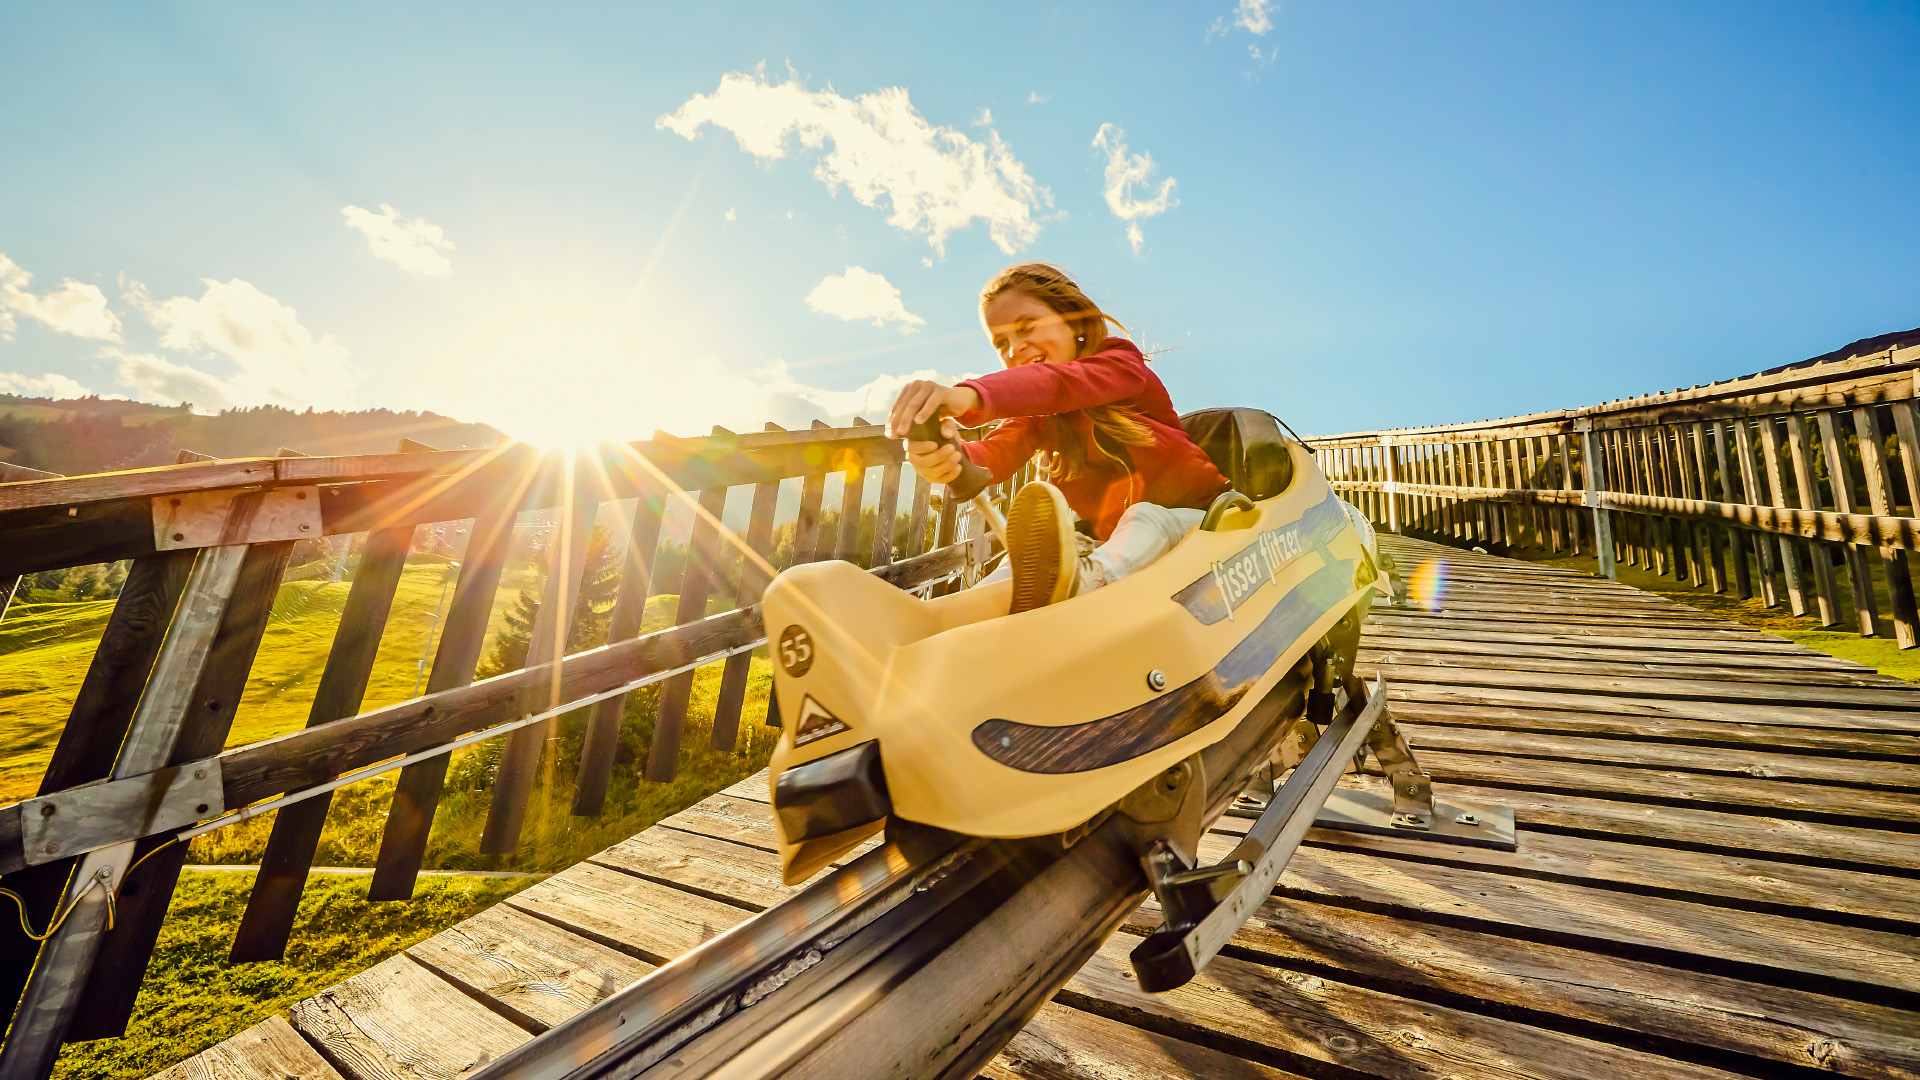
(934, 438)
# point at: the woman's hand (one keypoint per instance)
(922, 400)
(940, 461)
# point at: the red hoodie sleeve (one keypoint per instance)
(1114, 374)
(1006, 447)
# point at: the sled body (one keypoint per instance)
(950, 713)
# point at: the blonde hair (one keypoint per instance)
(1050, 285)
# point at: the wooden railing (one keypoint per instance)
(142, 761)
(1792, 479)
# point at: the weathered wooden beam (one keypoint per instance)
(403, 843)
(663, 757)
(623, 622)
(520, 758)
(271, 907)
(753, 582)
(1827, 597)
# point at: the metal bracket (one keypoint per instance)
(1167, 814)
(1372, 812)
(1590, 499)
(197, 519)
(94, 816)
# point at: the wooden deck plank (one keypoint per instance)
(1891, 705)
(1877, 744)
(1604, 920)
(526, 969)
(1850, 1038)
(1806, 891)
(1754, 762)
(269, 1050)
(399, 1021)
(1674, 708)
(1695, 666)
(1066, 1044)
(1377, 1034)
(631, 914)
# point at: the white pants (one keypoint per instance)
(1144, 532)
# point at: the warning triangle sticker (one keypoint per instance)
(815, 722)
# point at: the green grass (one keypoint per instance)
(193, 999)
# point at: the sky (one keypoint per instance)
(579, 222)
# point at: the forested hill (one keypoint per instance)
(91, 434)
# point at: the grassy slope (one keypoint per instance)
(194, 999)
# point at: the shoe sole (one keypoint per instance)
(1040, 535)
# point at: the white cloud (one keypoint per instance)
(50, 385)
(1253, 16)
(862, 294)
(412, 244)
(1037, 98)
(1123, 172)
(729, 215)
(155, 378)
(74, 308)
(936, 180)
(985, 119)
(277, 360)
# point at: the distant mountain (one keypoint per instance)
(91, 434)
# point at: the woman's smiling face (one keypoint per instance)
(1025, 331)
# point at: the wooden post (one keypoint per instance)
(271, 907)
(1590, 497)
(753, 583)
(54, 989)
(917, 518)
(884, 513)
(1776, 488)
(403, 843)
(663, 757)
(1387, 450)
(1563, 445)
(1893, 560)
(520, 759)
(1716, 569)
(1827, 597)
(852, 492)
(1840, 480)
(806, 525)
(602, 739)
(1764, 545)
(1736, 538)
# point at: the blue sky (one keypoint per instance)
(1381, 214)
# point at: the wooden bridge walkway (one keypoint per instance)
(1717, 876)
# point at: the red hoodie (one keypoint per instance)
(1172, 472)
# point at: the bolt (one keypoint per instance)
(105, 873)
(201, 809)
(177, 537)
(1467, 819)
(1156, 680)
(199, 774)
(175, 502)
(304, 528)
(46, 810)
(51, 847)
